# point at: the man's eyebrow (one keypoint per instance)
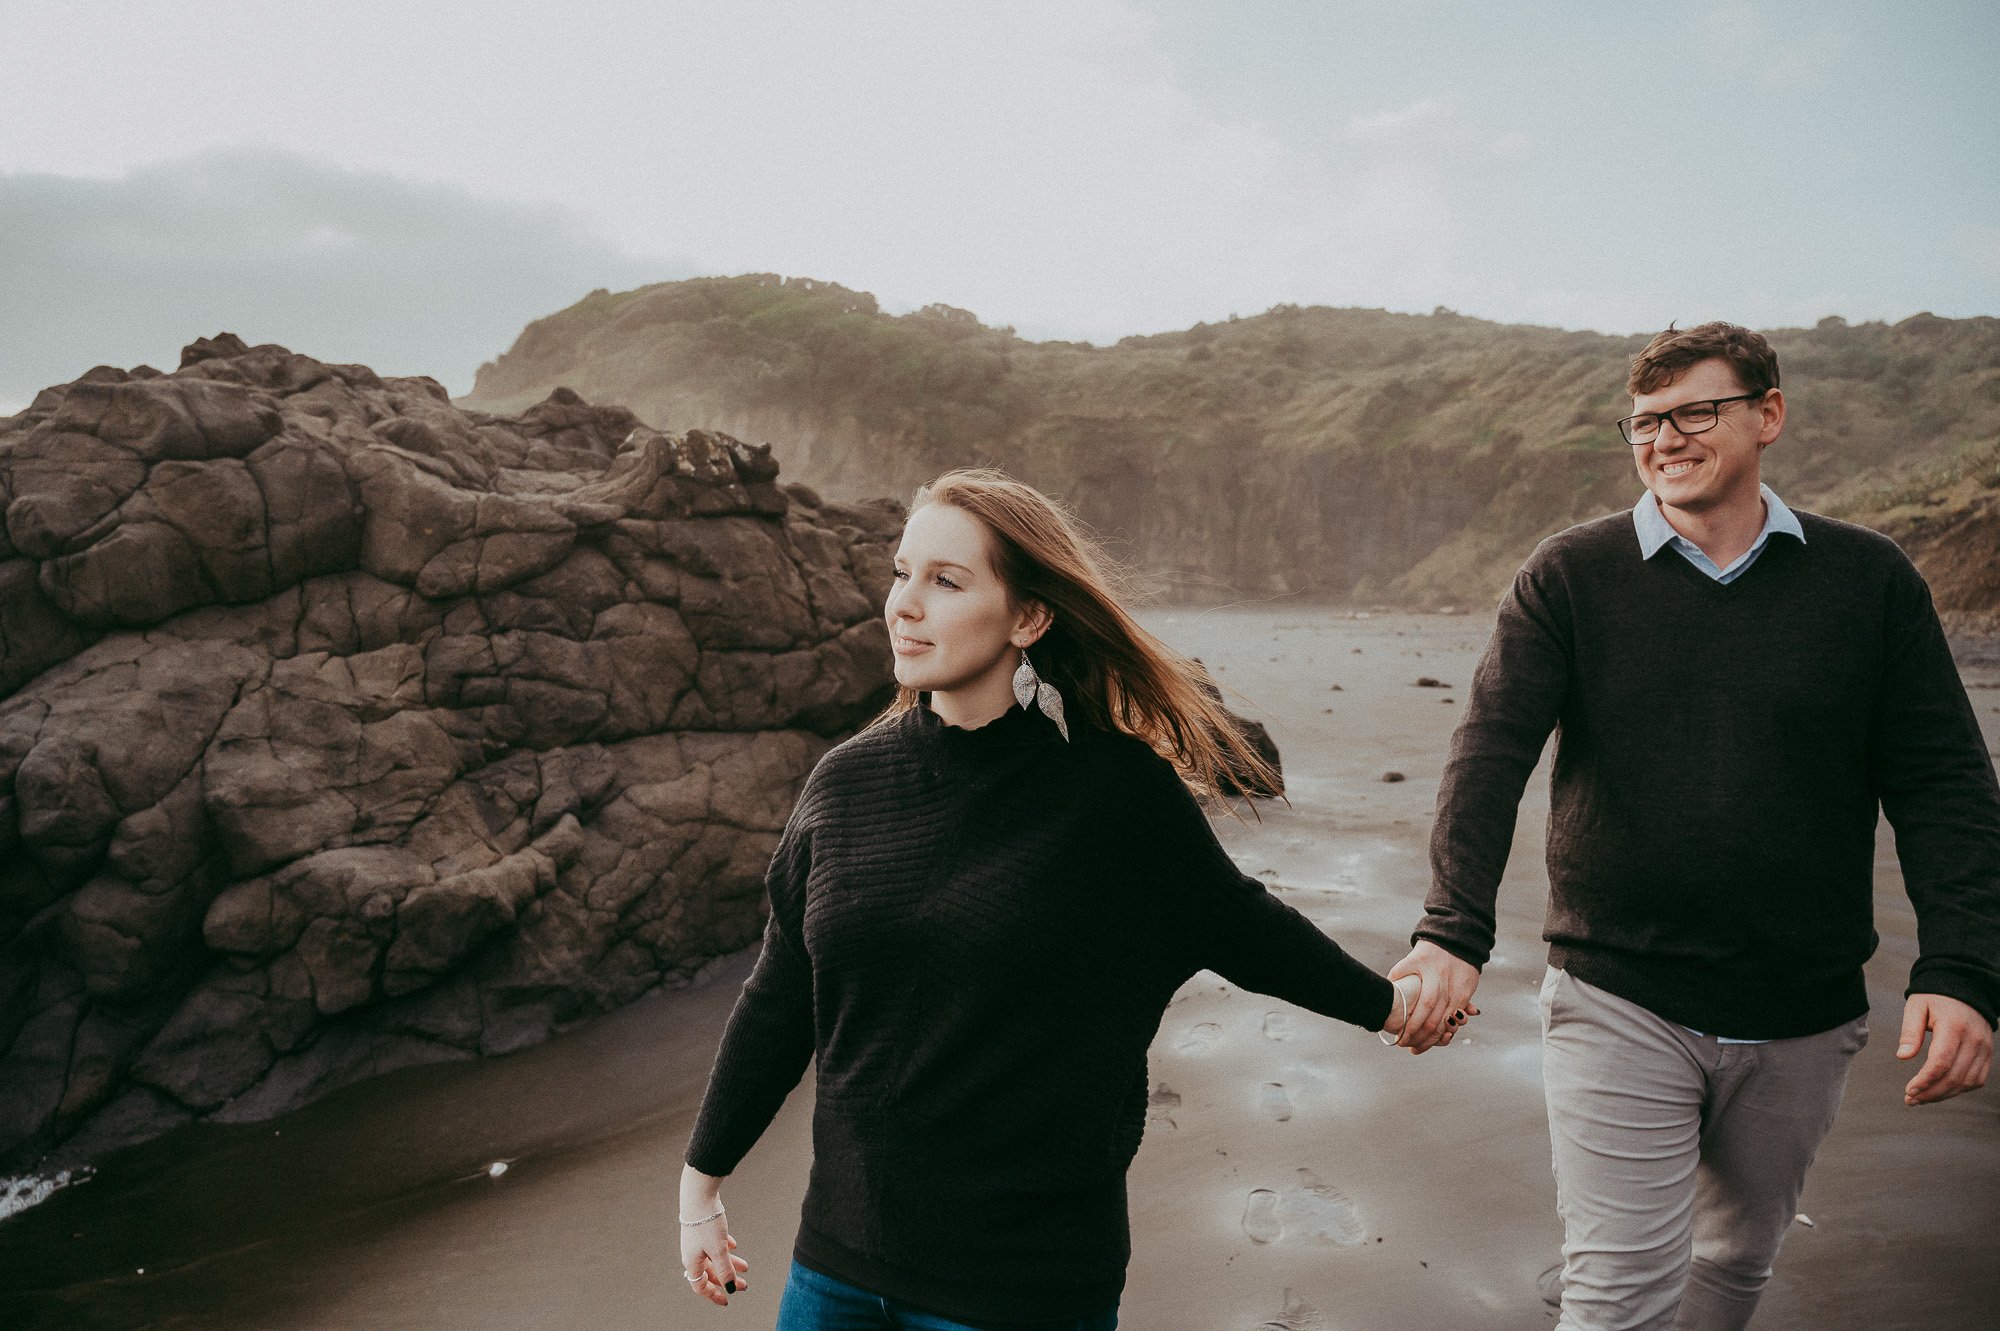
(1678, 405)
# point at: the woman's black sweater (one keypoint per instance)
(975, 932)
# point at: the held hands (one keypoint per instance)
(1444, 998)
(709, 1262)
(1961, 1048)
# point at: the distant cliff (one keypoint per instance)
(1946, 514)
(1337, 453)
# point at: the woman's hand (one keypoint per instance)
(1400, 1008)
(708, 1259)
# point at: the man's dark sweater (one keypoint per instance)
(976, 933)
(1721, 754)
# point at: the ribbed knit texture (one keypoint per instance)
(976, 933)
(1721, 754)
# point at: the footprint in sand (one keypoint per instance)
(1550, 1285)
(1198, 1039)
(1325, 1212)
(1296, 1315)
(1275, 1102)
(1260, 1217)
(1160, 1103)
(1277, 1026)
(1310, 1209)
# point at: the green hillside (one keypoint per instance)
(1338, 453)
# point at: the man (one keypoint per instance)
(1736, 688)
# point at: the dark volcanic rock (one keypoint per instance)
(1235, 779)
(345, 730)
(1236, 782)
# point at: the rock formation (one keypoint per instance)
(346, 730)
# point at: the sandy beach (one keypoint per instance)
(1295, 1173)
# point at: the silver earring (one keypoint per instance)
(1030, 689)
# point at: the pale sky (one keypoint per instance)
(408, 184)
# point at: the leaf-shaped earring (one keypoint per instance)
(1030, 689)
(1025, 680)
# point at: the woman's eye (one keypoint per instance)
(943, 581)
(900, 574)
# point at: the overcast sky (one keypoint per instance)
(408, 184)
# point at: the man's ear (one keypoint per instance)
(1773, 422)
(1034, 621)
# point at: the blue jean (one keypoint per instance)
(816, 1302)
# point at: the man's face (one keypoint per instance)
(1720, 467)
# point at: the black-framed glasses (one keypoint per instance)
(1688, 418)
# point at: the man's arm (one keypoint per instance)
(1937, 787)
(1517, 696)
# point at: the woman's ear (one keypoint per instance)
(1034, 621)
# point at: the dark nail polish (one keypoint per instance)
(729, 1286)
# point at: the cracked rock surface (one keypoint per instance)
(345, 730)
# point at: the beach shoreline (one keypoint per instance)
(1295, 1174)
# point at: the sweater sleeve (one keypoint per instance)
(1936, 784)
(1517, 696)
(1230, 923)
(770, 1036)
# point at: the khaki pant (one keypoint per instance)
(1679, 1159)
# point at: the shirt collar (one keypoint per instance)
(1013, 728)
(1655, 531)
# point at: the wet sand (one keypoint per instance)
(1295, 1175)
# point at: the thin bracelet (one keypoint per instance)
(704, 1220)
(1393, 1040)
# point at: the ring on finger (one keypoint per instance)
(694, 1279)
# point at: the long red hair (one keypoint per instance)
(1108, 669)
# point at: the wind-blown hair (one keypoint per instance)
(1108, 669)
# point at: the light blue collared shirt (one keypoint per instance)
(1655, 531)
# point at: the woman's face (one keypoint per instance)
(954, 626)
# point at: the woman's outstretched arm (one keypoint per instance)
(1231, 924)
(1256, 941)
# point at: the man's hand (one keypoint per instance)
(1961, 1047)
(1448, 984)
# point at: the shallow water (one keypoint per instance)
(1390, 1191)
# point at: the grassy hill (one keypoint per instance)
(1339, 453)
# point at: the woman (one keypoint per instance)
(980, 909)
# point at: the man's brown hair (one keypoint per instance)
(1671, 354)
